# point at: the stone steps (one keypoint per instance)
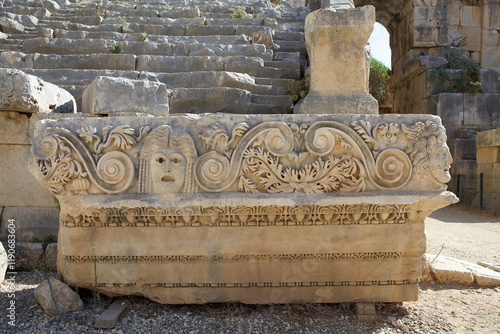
(193, 47)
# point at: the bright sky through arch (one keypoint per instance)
(379, 42)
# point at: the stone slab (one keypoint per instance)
(26, 93)
(111, 315)
(50, 256)
(488, 138)
(488, 155)
(453, 271)
(169, 64)
(89, 61)
(132, 96)
(14, 128)
(17, 186)
(31, 222)
(214, 100)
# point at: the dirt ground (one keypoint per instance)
(461, 233)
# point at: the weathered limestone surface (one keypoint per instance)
(253, 209)
(488, 164)
(57, 298)
(26, 93)
(339, 69)
(108, 95)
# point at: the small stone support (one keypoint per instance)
(336, 40)
(365, 311)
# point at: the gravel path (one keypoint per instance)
(440, 309)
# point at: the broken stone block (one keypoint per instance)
(10, 26)
(50, 257)
(26, 93)
(29, 255)
(25, 20)
(336, 42)
(110, 317)
(55, 297)
(131, 96)
(15, 59)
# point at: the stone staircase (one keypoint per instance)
(211, 63)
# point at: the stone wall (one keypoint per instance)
(21, 197)
(488, 171)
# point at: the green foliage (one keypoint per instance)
(144, 36)
(115, 48)
(58, 205)
(48, 240)
(240, 13)
(298, 89)
(458, 42)
(378, 78)
(465, 78)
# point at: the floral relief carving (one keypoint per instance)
(196, 216)
(66, 164)
(269, 157)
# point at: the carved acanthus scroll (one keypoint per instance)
(268, 157)
(66, 164)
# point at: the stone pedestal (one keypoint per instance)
(336, 40)
(253, 209)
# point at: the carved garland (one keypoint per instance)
(341, 214)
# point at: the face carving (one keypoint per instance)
(168, 170)
(440, 162)
(166, 162)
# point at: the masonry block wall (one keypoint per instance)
(488, 165)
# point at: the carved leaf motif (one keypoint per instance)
(87, 133)
(334, 174)
(246, 185)
(122, 137)
(363, 128)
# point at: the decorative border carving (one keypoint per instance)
(269, 157)
(194, 216)
(258, 285)
(233, 258)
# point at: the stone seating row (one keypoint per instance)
(69, 46)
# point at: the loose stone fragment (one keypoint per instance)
(57, 298)
(131, 96)
(26, 93)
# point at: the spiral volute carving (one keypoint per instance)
(117, 169)
(393, 168)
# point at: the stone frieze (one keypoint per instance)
(212, 155)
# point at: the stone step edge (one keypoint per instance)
(446, 270)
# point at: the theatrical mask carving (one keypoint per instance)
(166, 164)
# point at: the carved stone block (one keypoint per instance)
(253, 209)
(336, 40)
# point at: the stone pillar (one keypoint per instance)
(336, 37)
